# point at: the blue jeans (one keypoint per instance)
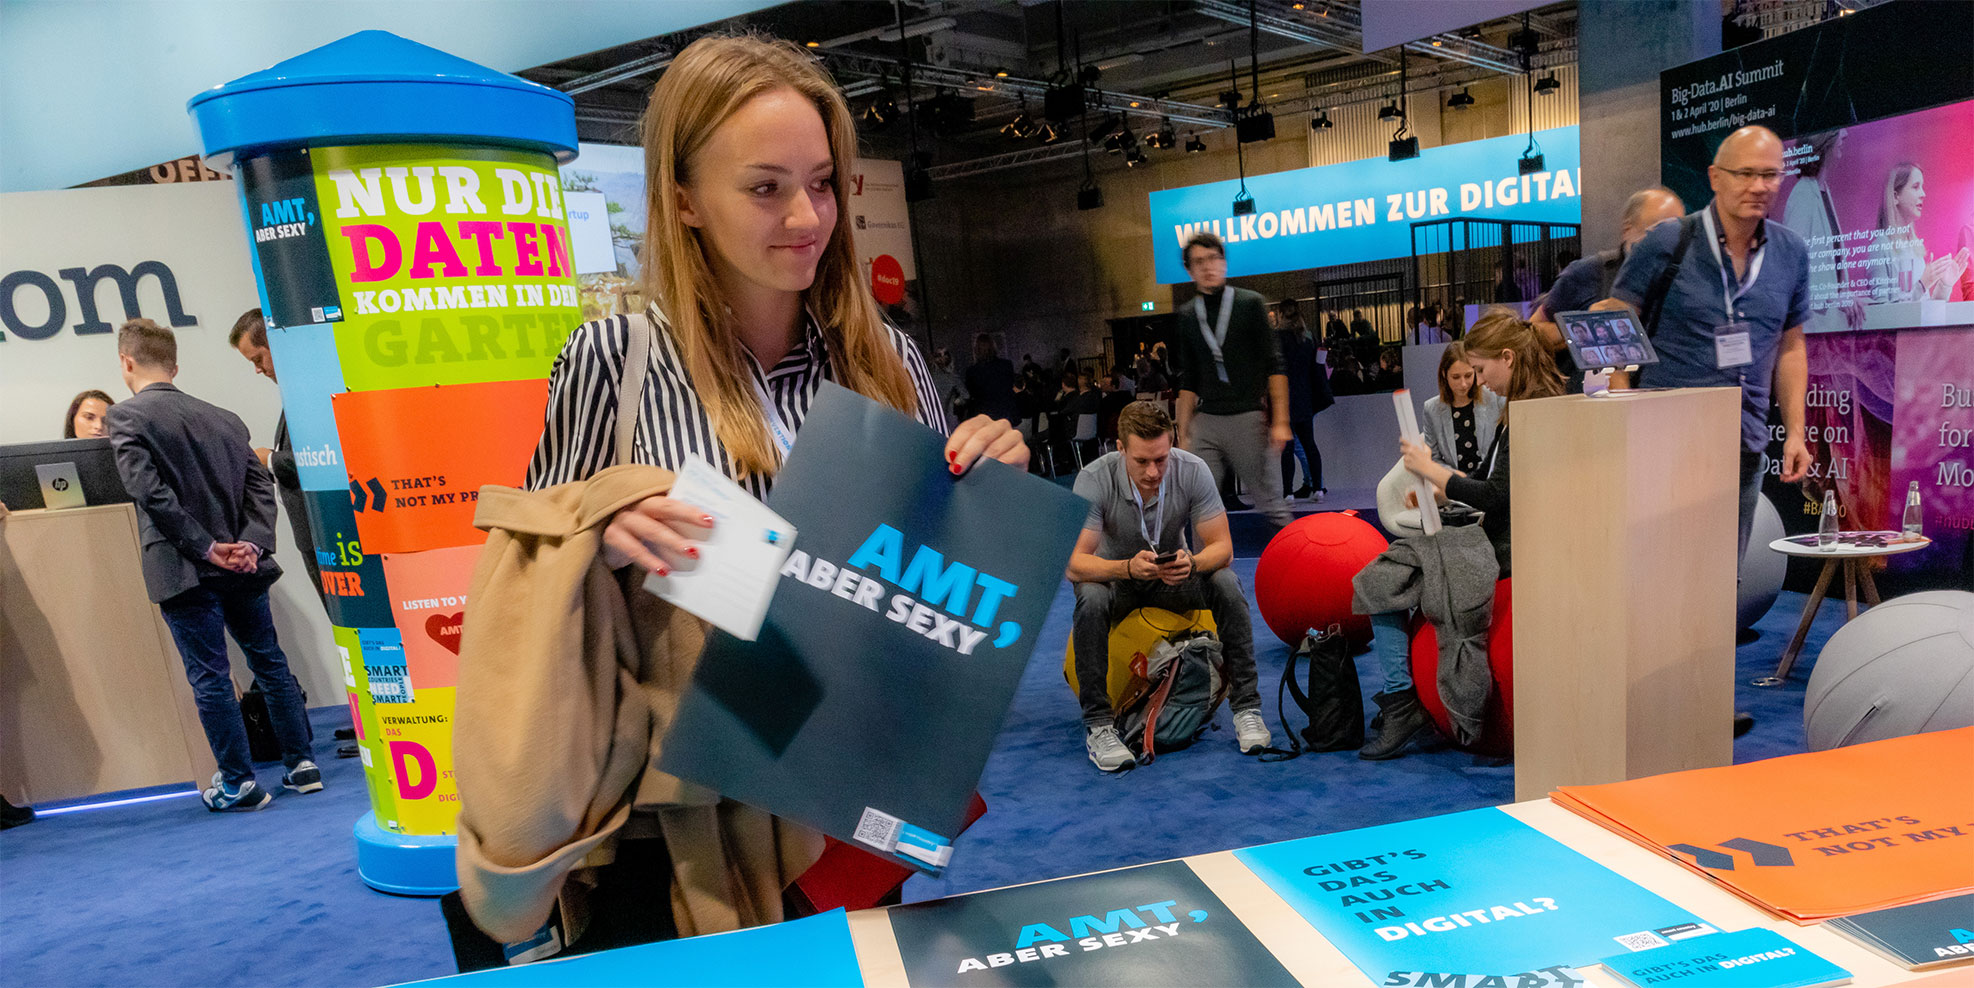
(1391, 642)
(199, 619)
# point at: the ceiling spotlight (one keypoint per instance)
(1460, 100)
(1231, 99)
(1000, 73)
(1105, 126)
(1194, 145)
(814, 44)
(1437, 42)
(1547, 84)
(1162, 139)
(1114, 144)
(1089, 74)
(1321, 121)
(1090, 196)
(1050, 134)
(1133, 158)
(880, 112)
(1019, 127)
(1389, 111)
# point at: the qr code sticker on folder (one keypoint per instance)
(879, 830)
(1642, 940)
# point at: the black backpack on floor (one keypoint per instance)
(1331, 700)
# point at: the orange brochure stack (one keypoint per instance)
(1813, 836)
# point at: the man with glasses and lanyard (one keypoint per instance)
(1133, 553)
(1732, 314)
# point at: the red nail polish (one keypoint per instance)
(956, 469)
(706, 521)
(692, 552)
(952, 455)
(661, 571)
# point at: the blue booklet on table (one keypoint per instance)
(1477, 895)
(1745, 959)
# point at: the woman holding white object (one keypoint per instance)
(1508, 358)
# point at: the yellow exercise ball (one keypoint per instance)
(1138, 632)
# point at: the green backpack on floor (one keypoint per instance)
(1172, 695)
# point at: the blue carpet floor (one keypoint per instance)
(164, 893)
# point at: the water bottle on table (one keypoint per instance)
(1910, 526)
(1826, 527)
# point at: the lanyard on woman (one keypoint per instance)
(1217, 335)
(1158, 523)
(784, 437)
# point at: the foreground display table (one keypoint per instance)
(93, 697)
(1857, 580)
(1624, 562)
(1314, 961)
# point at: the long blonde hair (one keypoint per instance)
(1891, 219)
(1533, 373)
(705, 86)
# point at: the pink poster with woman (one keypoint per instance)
(1887, 209)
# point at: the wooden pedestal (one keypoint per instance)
(1624, 567)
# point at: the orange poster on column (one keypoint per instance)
(1813, 836)
(430, 608)
(417, 457)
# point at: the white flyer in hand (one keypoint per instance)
(1408, 427)
(739, 563)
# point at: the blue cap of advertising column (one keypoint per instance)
(369, 97)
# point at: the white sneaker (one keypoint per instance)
(1250, 731)
(1106, 751)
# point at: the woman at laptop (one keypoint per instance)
(85, 418)
(1510, 359)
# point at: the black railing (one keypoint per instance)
(1464, 260)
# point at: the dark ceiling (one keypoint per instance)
(973, 63)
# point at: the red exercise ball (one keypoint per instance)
(1303, 579)
(1498, 717)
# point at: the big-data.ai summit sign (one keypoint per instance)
(1364, 210)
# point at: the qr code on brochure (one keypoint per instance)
(879, 830)
(1642, 940)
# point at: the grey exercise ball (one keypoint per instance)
(1762, 569)
(1903, 667)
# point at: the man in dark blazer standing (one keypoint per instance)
(206, 519)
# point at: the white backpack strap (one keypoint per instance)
(630, 390)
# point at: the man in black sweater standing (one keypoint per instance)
(1233, 392)
(205, 511)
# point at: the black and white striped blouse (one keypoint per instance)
(578, 437)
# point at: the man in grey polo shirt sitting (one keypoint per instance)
(1143, 498)
(1733, 315)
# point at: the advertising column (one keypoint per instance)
(415, 271)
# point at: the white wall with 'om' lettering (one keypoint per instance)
(195, 231)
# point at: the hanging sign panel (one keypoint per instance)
(1364, 210)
